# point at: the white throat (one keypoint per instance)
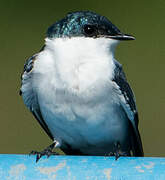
(80, 63)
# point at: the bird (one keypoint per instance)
(78, 91)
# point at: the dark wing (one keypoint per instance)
(29, 96)
(130, 108)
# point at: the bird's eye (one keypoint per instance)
(90, 30)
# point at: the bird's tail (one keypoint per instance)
(137, 148)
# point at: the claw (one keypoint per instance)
(117, 151)
(47, 151)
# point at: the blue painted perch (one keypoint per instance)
(24, 167)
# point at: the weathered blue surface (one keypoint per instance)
(24, 167)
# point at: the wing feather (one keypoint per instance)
(130, 108)
(29, 95)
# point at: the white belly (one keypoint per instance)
(84, 122)
(76, 95)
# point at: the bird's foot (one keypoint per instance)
(47, 151)
(118, 154)
(117, 151)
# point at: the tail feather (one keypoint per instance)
(137, 147)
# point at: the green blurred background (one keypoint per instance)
(22, 33)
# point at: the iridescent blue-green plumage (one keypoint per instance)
(73, 25)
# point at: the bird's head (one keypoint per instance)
(86, 24)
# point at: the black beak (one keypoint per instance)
(122, 37)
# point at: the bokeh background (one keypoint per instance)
(22, 33)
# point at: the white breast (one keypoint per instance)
(80, 62)
(72, 78)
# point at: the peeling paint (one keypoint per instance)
(16, 172)
(139, 169)
(51, 171)
(107, 173)
(69, 173)
(84, 160)
(23, 167)
(149, 166)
